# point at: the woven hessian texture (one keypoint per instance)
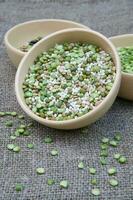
(110, 17)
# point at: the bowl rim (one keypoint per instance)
(123, 36)
(90, 113)
(21, 53)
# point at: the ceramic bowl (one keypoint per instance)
(126, 88)
(69, 35)
(25, 32)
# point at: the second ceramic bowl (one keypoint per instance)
(25, 32)
(69, 35)
(126, 88)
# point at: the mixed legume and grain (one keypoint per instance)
(68, 81)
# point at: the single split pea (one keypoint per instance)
(113, 182)
(50, 182)
(54, 152)
(80, 165)
(64, 184)
(9, 123)
(112, 171)
(19, 187)
(40, 170)
(92, 170)
(95, 192)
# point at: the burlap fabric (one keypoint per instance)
(110, 17)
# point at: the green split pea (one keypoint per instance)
(126, 57)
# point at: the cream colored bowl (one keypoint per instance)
(69, 35)
(126, 88)
(22, 33)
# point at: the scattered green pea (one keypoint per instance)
(7, 113)
(80, 165)
(113, 143)
(48, 140)
(104, 153)
(104, 146)
(17, 134)
(64, 184)
(122, 160)
(17, 149)
(22, 126)
(12, 137)
(10, 146)
(2, 114)
(113, 182)
(20, 117)
(9, 123)
(30, 146)
(103, 161)
(40, 170)
(26, 133)
(21, 130)
(105, 140)
(94, 181)
(19, 187)
(54, 152)
(50, 181)
(117, 156)
(14, 148)
(95, 192)
(117, 137)
(14, 114)
(112, 171)
(92, 170)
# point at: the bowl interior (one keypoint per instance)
(70, 35)
(22, 33)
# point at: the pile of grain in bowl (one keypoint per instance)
(68, 81)
(26, 47)
(126, 57)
